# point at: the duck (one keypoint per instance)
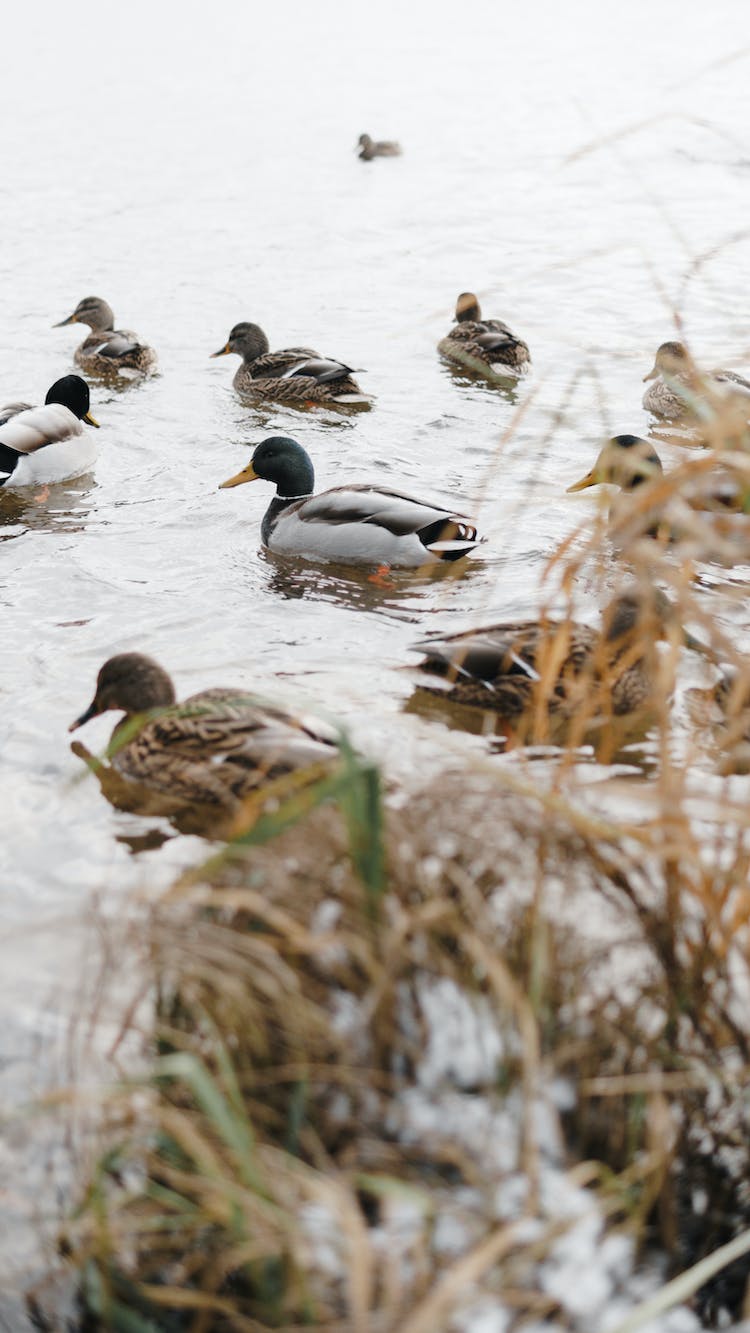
(482, 345)
(631, 463)
(353, 524)
(107, 350)
(47, 444)
(293, 375)
(370, 148)
(546, 676)
(215, 748)
(678, 386)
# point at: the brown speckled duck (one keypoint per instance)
(545, 676)
(678, 385)
(482, 346)
(370, 148)
(107, 350)
(294, 375)
(216, 748)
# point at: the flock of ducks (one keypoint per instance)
(543, 678)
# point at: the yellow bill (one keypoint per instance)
(223, 351)
(591, 479)
(247, 474)
(91, 420)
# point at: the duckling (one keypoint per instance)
(107, 350)
(480, 345)
(544, 676)
(678, 385)
(47, 444)
(215, 748)
(353, 524)
(370, 148)
(294, 375)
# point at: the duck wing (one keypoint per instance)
(34, 427)
(400, 514)
(731, 377)
(321, 369)
(12, 410)
(273, 364)
(221, 744)
(517, 648)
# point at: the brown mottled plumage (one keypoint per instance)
(543, 676)
(215, 748)
(107, 350)
(482, 345)
(679, 386)
(293, 375)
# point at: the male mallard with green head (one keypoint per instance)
(482, 345)
(353, 524)
(107, 350)
(47, 444)
(294, 375)
(215, 748)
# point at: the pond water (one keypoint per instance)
(585, 169)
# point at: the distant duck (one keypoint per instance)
(370, 148)
(482, 345)
(679, 386)
(47, 444)
(353, 524)
(107, 350)
(215, 748)
(293, 375)
(543, 676)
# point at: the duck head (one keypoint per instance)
(94, 312)
(73, 393)
(129, 683)
(245, 340)
(281, 460)
(626, 461)
(468, 308)
(672, 358)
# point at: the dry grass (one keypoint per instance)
(360, 1012)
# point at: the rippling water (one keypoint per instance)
(585, 170)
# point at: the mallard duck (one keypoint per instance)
(294, 375)
(678, 384)
(536, 672)
(47, 444)
(107, 350)
(630, 462)
(354, 524)
(215, 748)
(370, 148)
(482, 344)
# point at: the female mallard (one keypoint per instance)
(294, 375)
(370, 148)
(214, 749)
(107, 350)
(678, 385)
(480, 345)
(536, 672)
(354, 524)
(47, 444)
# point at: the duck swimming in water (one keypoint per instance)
(215, 748)
(353, 524)
(107, 350)
(482, 345)
(678, 386)
(293, 375)
(47, 444)
(370, 148)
